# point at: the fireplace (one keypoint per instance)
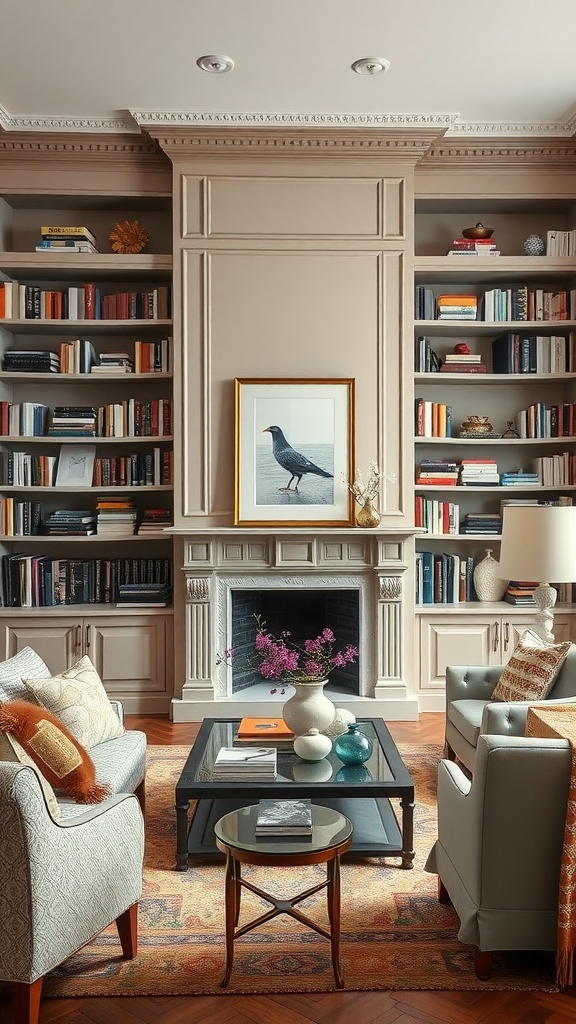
(350, 580)
(303, 613)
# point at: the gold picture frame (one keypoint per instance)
(294, 451)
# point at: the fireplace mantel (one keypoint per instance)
(376, 562)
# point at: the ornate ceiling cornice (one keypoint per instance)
(14, 123)
(505, 153)
(396, 144)
(32, 146)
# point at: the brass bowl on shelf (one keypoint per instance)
(477, 425)
(478, 231)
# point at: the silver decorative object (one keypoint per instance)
(534, 246)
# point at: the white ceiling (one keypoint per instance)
(470, 67)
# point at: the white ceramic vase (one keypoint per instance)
(308, 707)
(487, 582)
(313, 746)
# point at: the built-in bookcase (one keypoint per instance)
(502, 397)
(133, 443)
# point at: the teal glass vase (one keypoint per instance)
(352, 747)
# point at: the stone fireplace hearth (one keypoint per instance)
(360, 579)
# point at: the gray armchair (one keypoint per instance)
(61, 882)
(500, 840)
(470, 711)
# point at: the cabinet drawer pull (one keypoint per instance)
(496, 637)
(506, 635)
(87, 639)
(78, 641)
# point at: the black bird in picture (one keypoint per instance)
(292, 461)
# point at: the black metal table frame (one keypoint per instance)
(191, 838)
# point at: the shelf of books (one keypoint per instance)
(494, 390)
(86, 386)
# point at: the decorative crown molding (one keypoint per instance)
(100, 125)
(195, 119)
(476, 153)
(502, 129)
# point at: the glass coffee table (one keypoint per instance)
(362, 793)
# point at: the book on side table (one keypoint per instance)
(284, 818)
(264, 729)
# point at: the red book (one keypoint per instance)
(89, 302)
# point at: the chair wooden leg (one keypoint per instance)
(127, 925)
(483, 964)
(140, 793)
(443, 896)
(448, 752)
(26, 1001)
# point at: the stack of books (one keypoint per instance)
(478, 473)
(154, 520)
(473, 247)
(65, 239)
(435, 472)
(73, 421)
(245, 763)
(519, 478)
(116, 518)
(521, 593)
(275, 729)
(284, 818)
(70, 523)
(27, 361)
(481, 522)
(456, 307)
(470, 362)
(136, 595)
(114, 362)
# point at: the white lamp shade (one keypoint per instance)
(538, 543)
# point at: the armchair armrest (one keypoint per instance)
(503, 718)
(471, 682)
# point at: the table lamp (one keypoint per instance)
(539, 545)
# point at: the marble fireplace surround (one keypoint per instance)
(218, 561)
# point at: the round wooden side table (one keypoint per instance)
(331, 837)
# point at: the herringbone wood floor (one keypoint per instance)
(333, 1008)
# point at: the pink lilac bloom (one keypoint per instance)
(312, 668)
(327, 636)
(313, 646)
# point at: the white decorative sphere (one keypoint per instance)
(313, 746)
(340, 723)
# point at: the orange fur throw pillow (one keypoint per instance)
(60, 758)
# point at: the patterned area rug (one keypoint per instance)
(395, 934)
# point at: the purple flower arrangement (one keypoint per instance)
(279, 657)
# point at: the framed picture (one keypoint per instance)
(75, 465)
(294, 452)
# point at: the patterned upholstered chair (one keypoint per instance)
(62, 881)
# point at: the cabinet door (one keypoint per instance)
(57, 641)
(130, 654)
(452, 640)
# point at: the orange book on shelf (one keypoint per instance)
(272, 728)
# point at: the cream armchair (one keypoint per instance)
(61, 882)
(500, 840)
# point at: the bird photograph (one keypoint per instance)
(295, 463)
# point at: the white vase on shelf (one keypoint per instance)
(487, 582)
(312, 746)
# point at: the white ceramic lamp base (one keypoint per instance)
(545, 598)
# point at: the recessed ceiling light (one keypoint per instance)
(370, 65)
(215, 63)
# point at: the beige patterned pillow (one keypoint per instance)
(11, 750)
(531, 671)
(78, 698)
